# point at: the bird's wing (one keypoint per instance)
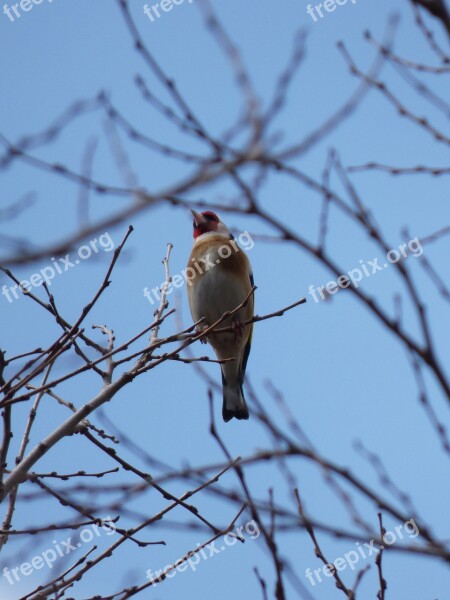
(248, 345)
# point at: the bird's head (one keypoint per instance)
(208, 222)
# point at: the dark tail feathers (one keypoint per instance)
(233, 401)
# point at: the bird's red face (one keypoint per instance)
(204, 222)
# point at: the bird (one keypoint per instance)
(223, 279)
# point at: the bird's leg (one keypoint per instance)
(238, 328)
(199, 329)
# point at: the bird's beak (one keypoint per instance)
(198, 218)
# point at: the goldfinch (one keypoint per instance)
(220, 278)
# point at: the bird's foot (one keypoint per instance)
(200, 329)
(238, 328)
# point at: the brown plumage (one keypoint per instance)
(222, 281)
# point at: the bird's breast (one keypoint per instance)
(221, 281)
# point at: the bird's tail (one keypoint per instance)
(233, 401)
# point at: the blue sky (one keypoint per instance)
(342, 375)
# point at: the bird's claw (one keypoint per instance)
(238, 328)
(200, 329)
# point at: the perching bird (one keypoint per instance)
(223, 279)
